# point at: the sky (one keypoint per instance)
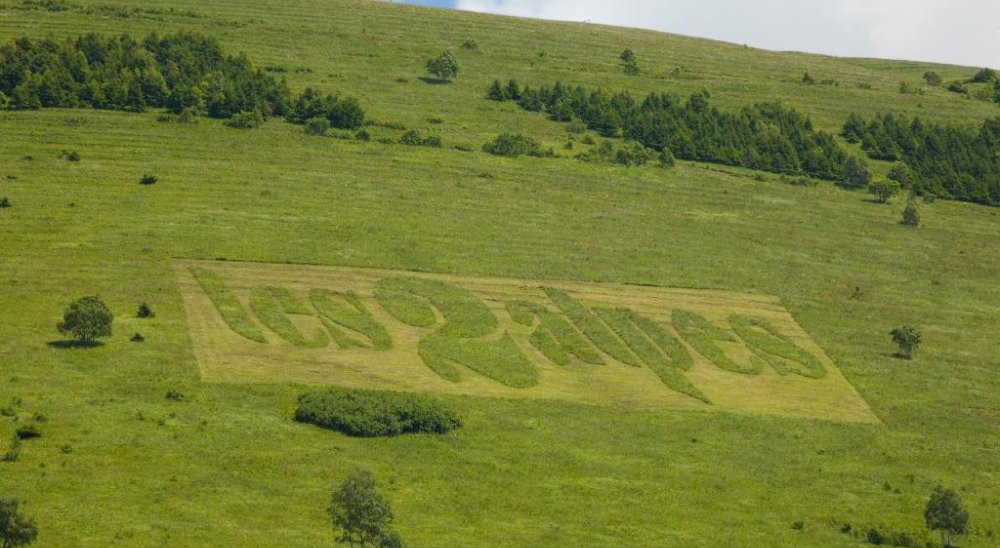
(963, 32)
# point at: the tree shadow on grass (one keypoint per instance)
(73, 344)
(433, 81)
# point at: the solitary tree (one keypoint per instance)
(856, 172)
(883, 189)
(15, 529)
(443, 66)
(359, 511)
(908, 338)
(945, 513)
(86, 320)
(629, 62)
(911, 214)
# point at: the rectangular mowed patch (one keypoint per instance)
(631, 347)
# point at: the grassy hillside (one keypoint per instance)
(119, 463)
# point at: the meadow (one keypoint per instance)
(120, 463)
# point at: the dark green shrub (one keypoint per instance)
(148, 180)
(87, 319)
(144, 311)
(246, 120)
(137, 338)
(73, 156)
(470, 45)
(808, 80)
(513, 145)
(5, 202)
(27, 432)
(362, 135)
(958, 87)
(984, 76)
(176, 395)
(413, 138)
(317, 126)
(365, 413)
(911, 215)
(932, 78)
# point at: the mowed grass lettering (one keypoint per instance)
(616, 345)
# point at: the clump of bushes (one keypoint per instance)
(5, 202)
(513, 145)
(27, 432)
(246, 120)
(365, 413)
(414, 138)
(317, 126)
(144, 311)
(148, 180)
(911, 214)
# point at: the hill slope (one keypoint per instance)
(229, 467)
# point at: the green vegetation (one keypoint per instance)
(908, 338)
(947, 160)
(460, 340)
(554, 337)
(272, 305)
(366, 413)
(184, 70)
(359, 511)
(227, 304)
(704, 337)
(87, 319)
(228, 468)
(946, 513)
(592, 327)
(345, 310)
(883, 189)
(514, 145)
(15, 529)
(765, 136)
(911, 214)
(661, 352)
(782, 354)
(444, 66)
(629, 62)
(144, 311)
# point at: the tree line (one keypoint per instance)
(180, 72)
(764, 136)
(959, 162)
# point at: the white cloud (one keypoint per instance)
(951, 31)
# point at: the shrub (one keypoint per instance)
(856, 172)
(27, 432)
(148, 180)
(144, 311)
(366, 413)
(629, 62)
(362, 135)
(984, 76)
(246, 120)
(73, 156)
(5, 202)
(808, 80)
(932, 78)
(633, 153)
(513, 145)
(317, 126)
(908, 338)
(176, 395)
(470, 45)
(137, 338)
(87, 319)
(911, 214)
(883, 189)
(958, 87)
(413, 138)
(443, 66)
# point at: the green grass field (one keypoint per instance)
(119, 463)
